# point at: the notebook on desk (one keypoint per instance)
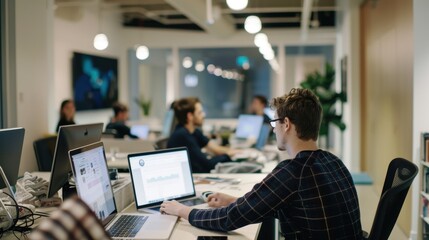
(162, 175)
(94, 187)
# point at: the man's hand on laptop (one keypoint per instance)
(232, 152)
(175, 208)
(220, 200)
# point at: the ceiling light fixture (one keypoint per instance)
(252, 24)
(100, 40)
(199, 66)
(237, 5)
(260, 39)
(142, 52)
(187, 62)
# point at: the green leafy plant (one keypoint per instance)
(144, 105)
(321, 85)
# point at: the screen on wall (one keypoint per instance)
(95, 81)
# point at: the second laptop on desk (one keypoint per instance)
(162, 175)
(94, 187)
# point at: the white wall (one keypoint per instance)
(33, 72)
(420, 99)
(74, 30)
(348, 44)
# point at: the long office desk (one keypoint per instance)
(183, 230)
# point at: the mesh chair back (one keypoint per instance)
(399, 178)
(44, 150)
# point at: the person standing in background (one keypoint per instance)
(67, 111)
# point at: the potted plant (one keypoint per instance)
(144, 105)
(321, 85)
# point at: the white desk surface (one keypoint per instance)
(183, 230)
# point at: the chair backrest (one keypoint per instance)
(44, 149)
(399, 177)
(161, 143)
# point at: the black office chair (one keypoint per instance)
(399, 177)
(161, 144)
(44, 149)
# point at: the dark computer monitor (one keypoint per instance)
(249, 126)
(169, 123)
(11, 141)
(70, 137)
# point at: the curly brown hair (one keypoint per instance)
(303, 109)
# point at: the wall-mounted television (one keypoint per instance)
(95, 81)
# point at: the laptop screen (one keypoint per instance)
(92, 179)
(141, 131)
(249, 126)
(161, 175)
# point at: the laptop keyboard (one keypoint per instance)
(127, 226)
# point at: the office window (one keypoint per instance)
(224, 79)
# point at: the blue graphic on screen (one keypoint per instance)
(95, 81)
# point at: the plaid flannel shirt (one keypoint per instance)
(312, 195)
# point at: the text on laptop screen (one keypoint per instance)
(92, 181)
(161, 176)
(249, 126)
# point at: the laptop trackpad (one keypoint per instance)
(157, 227)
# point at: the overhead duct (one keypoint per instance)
(306, 15)
(195, 10)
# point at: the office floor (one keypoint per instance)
(368, 201)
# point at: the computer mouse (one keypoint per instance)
(205, 195)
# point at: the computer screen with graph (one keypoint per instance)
(161, 175)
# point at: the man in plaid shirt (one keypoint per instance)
(312, 194)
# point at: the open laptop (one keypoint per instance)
(250, 154)
(162, 175)
(141, 131)
(93, 186)
(249, 126)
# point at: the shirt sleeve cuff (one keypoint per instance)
(191, 216)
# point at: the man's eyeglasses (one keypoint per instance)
(273, 122)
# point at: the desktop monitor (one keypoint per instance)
(11, 141)
(249, 126)
(70, 137)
